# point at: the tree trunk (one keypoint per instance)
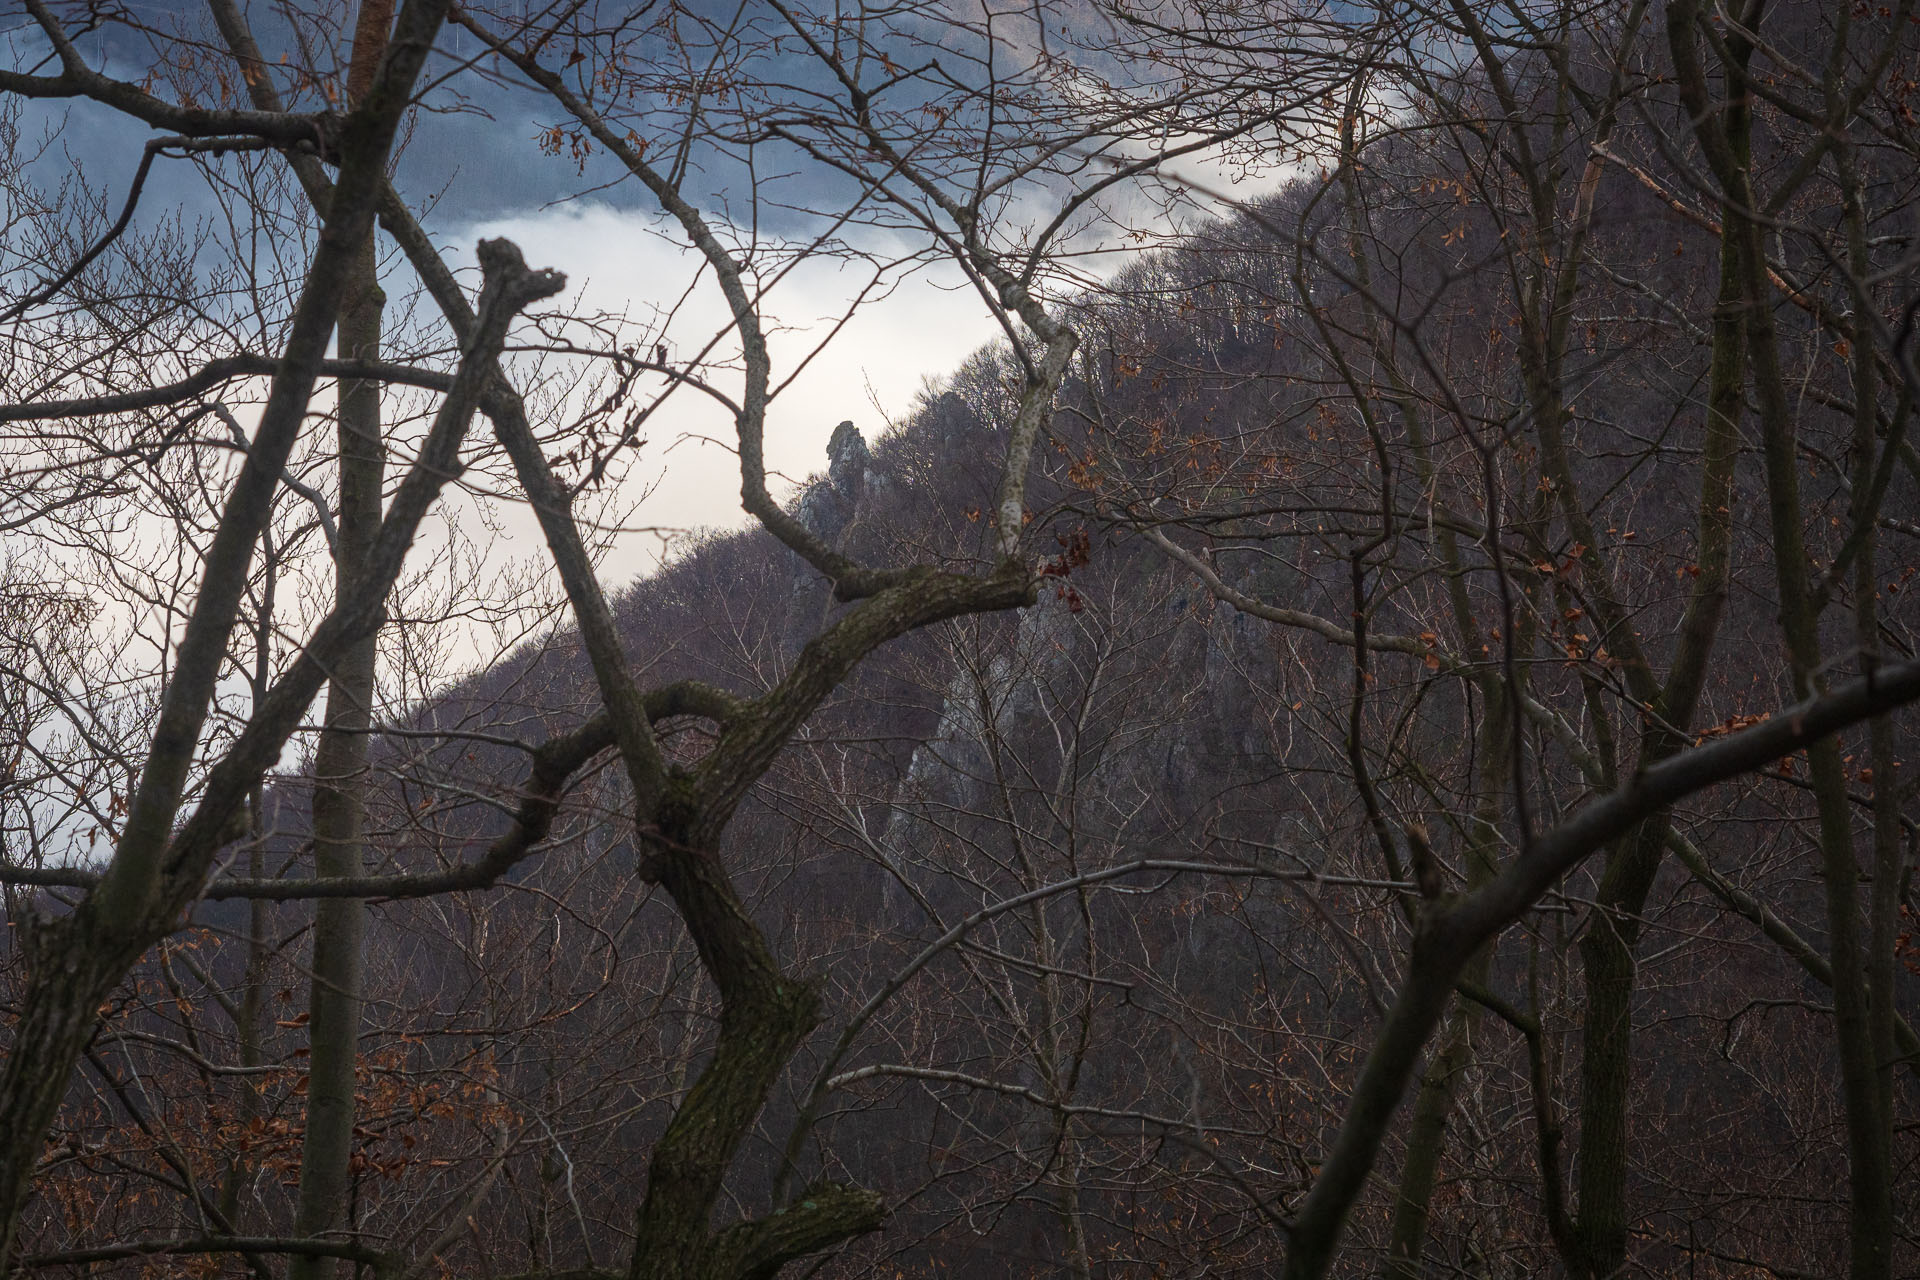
(1426, 1142)
(340, 759)
(1868, 1146)
(1433, 1105)
(73, 967)
(252, 1004)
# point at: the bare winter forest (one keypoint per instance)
(1360, 733)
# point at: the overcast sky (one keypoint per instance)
(482, 175)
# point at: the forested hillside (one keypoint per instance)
(1364, 737)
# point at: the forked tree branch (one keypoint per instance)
(1451, 931)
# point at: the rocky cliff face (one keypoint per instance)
(828, 506)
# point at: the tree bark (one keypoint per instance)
(340, 758)
(1607, 950)
(1426, 1143)
(339, 808)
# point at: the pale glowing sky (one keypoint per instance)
(869, 372)
(917, 331)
